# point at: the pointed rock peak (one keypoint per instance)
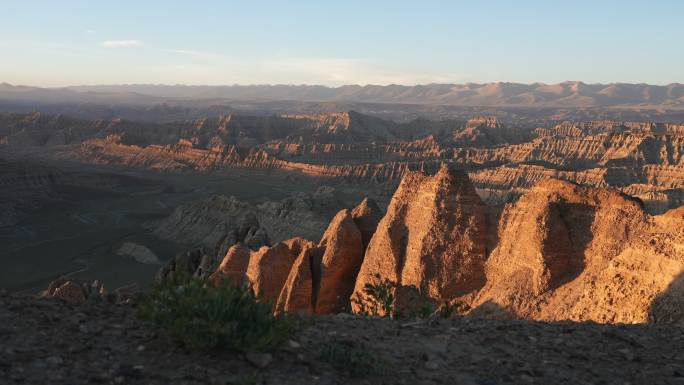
(297, 244)
(233, 266)
(341, 220)
(367, 215)
(235, 253)
(338, 266)
(433, 237)
(367, 207)
(451, 177)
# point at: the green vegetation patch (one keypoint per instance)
(201, 316)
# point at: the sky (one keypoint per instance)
(58, 43)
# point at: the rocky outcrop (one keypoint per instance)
(323, 277)
(193, 263)
(298, 293)
(219, 222)
(234, 265)
(74, 292)
(433, 238)
(297, 275)
(269, 267)
(215, 223)
(79, 291)
(339, 265)
(579, 253)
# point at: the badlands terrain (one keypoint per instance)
(542, 221)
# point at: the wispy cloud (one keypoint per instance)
(122, 43)
(196, 54)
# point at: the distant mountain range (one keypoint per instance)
(567, 94)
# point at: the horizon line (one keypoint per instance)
(674, 83)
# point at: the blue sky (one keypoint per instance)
(55, 43)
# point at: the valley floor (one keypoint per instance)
(50, 342)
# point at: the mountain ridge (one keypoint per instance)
(569, 94)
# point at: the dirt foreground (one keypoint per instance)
(50, 342)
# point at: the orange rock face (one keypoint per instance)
(433, 237)
(339, 264)
(580, 253)
(269, 267)
(299, 276)
(322, 278)
(233, 266)
(297, 295)
(560, 252)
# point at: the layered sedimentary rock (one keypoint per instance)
(349, 146)
(219, 222)
(433, 238)
(572, 252)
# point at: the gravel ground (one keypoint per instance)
(50, 342)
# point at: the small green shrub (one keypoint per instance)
(418, 304)
(381, 298)
(354, 360)
(201, 316)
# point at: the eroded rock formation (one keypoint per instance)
(572, 252)
(269, 267)
(297, 275)
(433, 238)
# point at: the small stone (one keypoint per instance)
(294, 344)
(432, 365)
(260, 360)
(141, 348)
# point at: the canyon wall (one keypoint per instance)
(562, 251)
(644, 159)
